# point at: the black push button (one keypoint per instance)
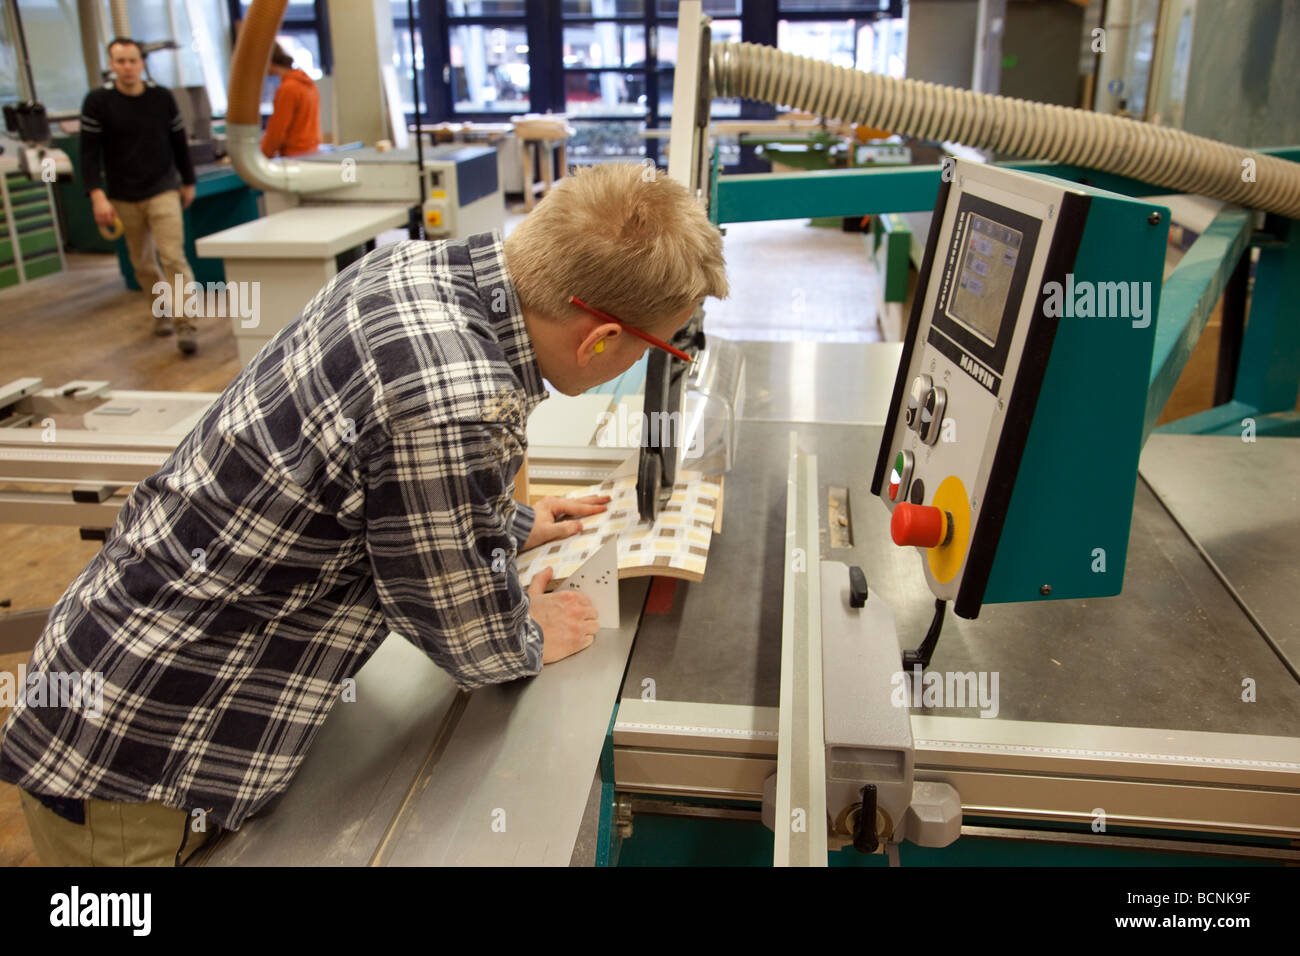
(917, 494)
(857, 587)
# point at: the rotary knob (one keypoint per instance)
(921, 385)
(933, 407)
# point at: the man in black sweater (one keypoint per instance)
(138, 131)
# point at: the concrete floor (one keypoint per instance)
(793, 282)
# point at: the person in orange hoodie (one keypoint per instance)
(294, 127)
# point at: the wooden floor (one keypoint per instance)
(15, 845)
(86, 325)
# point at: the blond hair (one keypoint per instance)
(623, 238)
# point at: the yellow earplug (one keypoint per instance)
(599, 347)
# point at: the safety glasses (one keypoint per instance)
(644, 336)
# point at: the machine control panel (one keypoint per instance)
(973, 361)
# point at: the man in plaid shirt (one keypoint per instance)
(357, 478)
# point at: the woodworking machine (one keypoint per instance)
(71, 454)
(1003, 470)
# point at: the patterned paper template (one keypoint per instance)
(676, 545)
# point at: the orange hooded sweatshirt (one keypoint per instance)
(294, 127)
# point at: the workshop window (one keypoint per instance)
(712, 8)
(604, 8)
(408, 59)
(618, 59)
(605, 142)
(607, 65)
(485, 8)
(51, 29)
(606, 92)
(487, 68)
(604, 44)
(610, 64)
(47, 28)
(871, 37)
(868, 7)
(834, 41)
(726, 28)
(724, 31)
(406, 67)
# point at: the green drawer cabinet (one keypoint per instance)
(30, 244)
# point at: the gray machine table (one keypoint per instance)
(414, 772)
(1165, 653)
(1169, 652)
(1239, 502)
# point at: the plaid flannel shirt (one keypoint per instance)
(355, 478)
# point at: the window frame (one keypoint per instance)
(544, 22)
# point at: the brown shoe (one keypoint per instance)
(187, 337)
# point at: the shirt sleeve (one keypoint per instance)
(180, 142)
(92, 143)
(441, 531)
(522, 524)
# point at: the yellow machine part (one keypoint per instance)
(946, 560)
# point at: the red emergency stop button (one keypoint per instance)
(921, 526)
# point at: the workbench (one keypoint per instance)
(291, 256)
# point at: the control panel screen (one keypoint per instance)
(984, 277)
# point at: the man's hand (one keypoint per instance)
(547, 511)
(103, 209)
(187, 196)
(568, 620)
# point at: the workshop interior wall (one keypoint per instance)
(941, 41)
(1040, 52)
(1243, 86)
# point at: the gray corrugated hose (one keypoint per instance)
(1153, 154)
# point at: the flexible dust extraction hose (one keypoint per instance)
(121, 19)
(1152, 154)
(244, 118)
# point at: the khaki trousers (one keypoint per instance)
(114, 834)
(155, 229)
